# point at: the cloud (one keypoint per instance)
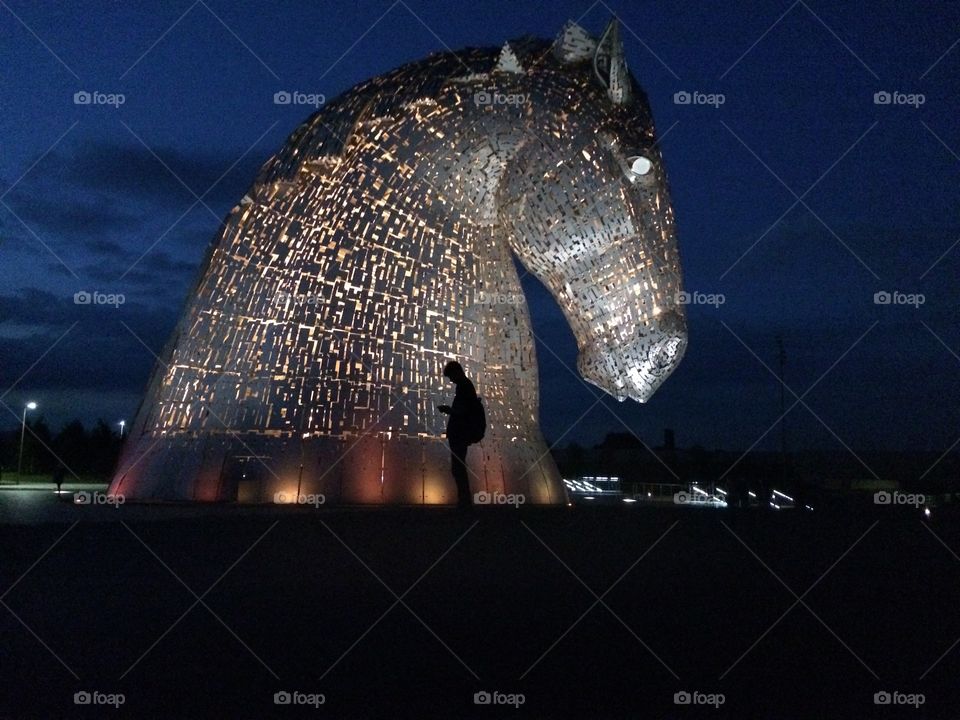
(59, 214)
(162, 173)
(163, 273)
(97, 353)
(104, 196)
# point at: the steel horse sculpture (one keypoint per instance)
(379, 243)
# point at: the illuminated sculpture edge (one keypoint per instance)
(378, 244)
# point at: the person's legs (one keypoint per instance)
(458, 464)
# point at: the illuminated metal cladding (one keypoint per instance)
(378, 244)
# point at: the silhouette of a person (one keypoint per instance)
(58, 474)
(458, 428)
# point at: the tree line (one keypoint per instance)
(89, 453)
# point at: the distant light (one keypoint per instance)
(31, 406)
(777, 492)
(702, 492)
(721, 491)
(751, 493)
(589, 497)
(808, 508)
(774, 505)
(926, 511)
(649, 494)
(632, 500)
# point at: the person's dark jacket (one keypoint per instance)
(458, 426)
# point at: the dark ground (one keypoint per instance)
(294, 600)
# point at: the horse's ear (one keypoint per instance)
(610, 65)
(574, 44)
(508, 62)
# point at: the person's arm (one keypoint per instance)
(466, 395)
(454, 409)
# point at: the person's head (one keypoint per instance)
(453, 371)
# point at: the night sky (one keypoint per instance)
(103, 198)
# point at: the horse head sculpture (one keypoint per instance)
(378, 244)
(586, 206)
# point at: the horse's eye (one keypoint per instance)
(639, 166)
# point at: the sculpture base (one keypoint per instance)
(372, 469)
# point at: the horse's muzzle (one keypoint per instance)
(636, 368)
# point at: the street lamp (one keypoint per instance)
(23, 428)
(122, 424)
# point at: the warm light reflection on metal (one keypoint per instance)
(377, 244)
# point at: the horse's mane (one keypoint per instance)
(324, 133)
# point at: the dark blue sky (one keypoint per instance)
(88, 203)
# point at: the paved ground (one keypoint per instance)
(209, 611)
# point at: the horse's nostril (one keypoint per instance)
(667, 352)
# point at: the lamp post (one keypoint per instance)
(23, 430)
(782, 358)
(122, 424)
